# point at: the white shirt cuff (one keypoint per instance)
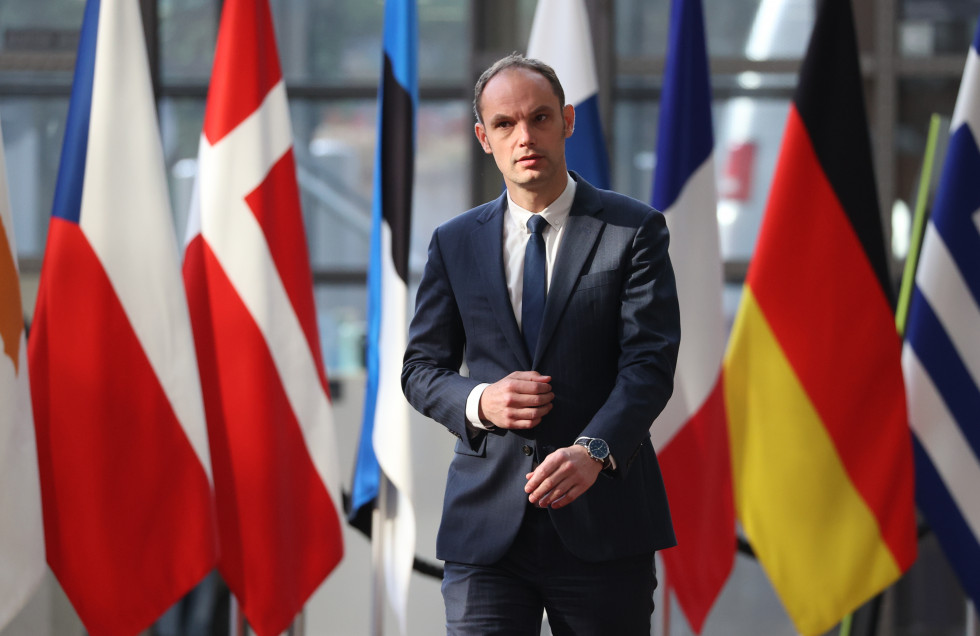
(473, 408)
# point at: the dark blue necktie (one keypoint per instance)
(535, 283)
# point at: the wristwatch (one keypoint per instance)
(598, 449)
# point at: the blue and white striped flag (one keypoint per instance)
(560, 37)
(941, 358)
(385, 450)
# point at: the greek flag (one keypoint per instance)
(941, 357)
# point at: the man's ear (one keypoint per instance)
(568, 114)
(481, 136)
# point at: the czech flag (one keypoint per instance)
(123, 453)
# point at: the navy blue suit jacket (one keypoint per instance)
(609, 338)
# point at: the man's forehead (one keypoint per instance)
(521, 88)
(524, 78)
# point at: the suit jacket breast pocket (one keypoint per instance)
(597, 279)
(593, 311)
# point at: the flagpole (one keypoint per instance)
(378, 515)
(298, 628)
(236, 620)
(918, 226)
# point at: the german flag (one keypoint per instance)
(821, 454)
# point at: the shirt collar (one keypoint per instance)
(555, 214)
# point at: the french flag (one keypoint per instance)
(122, 449)
(250, 290)
(691, 435)
(560, 37)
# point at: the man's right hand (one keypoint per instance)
(518, 401)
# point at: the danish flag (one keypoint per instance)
(249, 287)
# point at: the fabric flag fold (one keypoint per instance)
(560, 37)
(821, 452)
(691, 436)
(941, 357)
(21, 530)
(385, 450)
(125, 472)
(250, 291)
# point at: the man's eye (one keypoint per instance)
(503, 124)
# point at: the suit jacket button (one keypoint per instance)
(527, 450)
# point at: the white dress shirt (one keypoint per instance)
(515, 237)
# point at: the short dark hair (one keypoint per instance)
(516, 60)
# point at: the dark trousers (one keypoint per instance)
(538, 574)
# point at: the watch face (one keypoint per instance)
(598, 449)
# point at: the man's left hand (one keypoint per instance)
(562, 477)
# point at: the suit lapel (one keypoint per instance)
(581, 232)
(486, 243)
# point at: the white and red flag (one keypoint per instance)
(128, 508)
(250, 290)
(21, 533)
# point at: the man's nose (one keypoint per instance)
(524, 133)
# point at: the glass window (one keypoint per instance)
(641, 27)
(444, 41)
(340, 314)
(442, 160)
(336, 43)
(634, 147)
(756, 29)
(335, 146)
(927, 28)
(918, 100)
(327, 42)
(38, 40)
(181, 121)
(188, 30)
(33, 130)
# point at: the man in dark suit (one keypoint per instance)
(569, 332)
